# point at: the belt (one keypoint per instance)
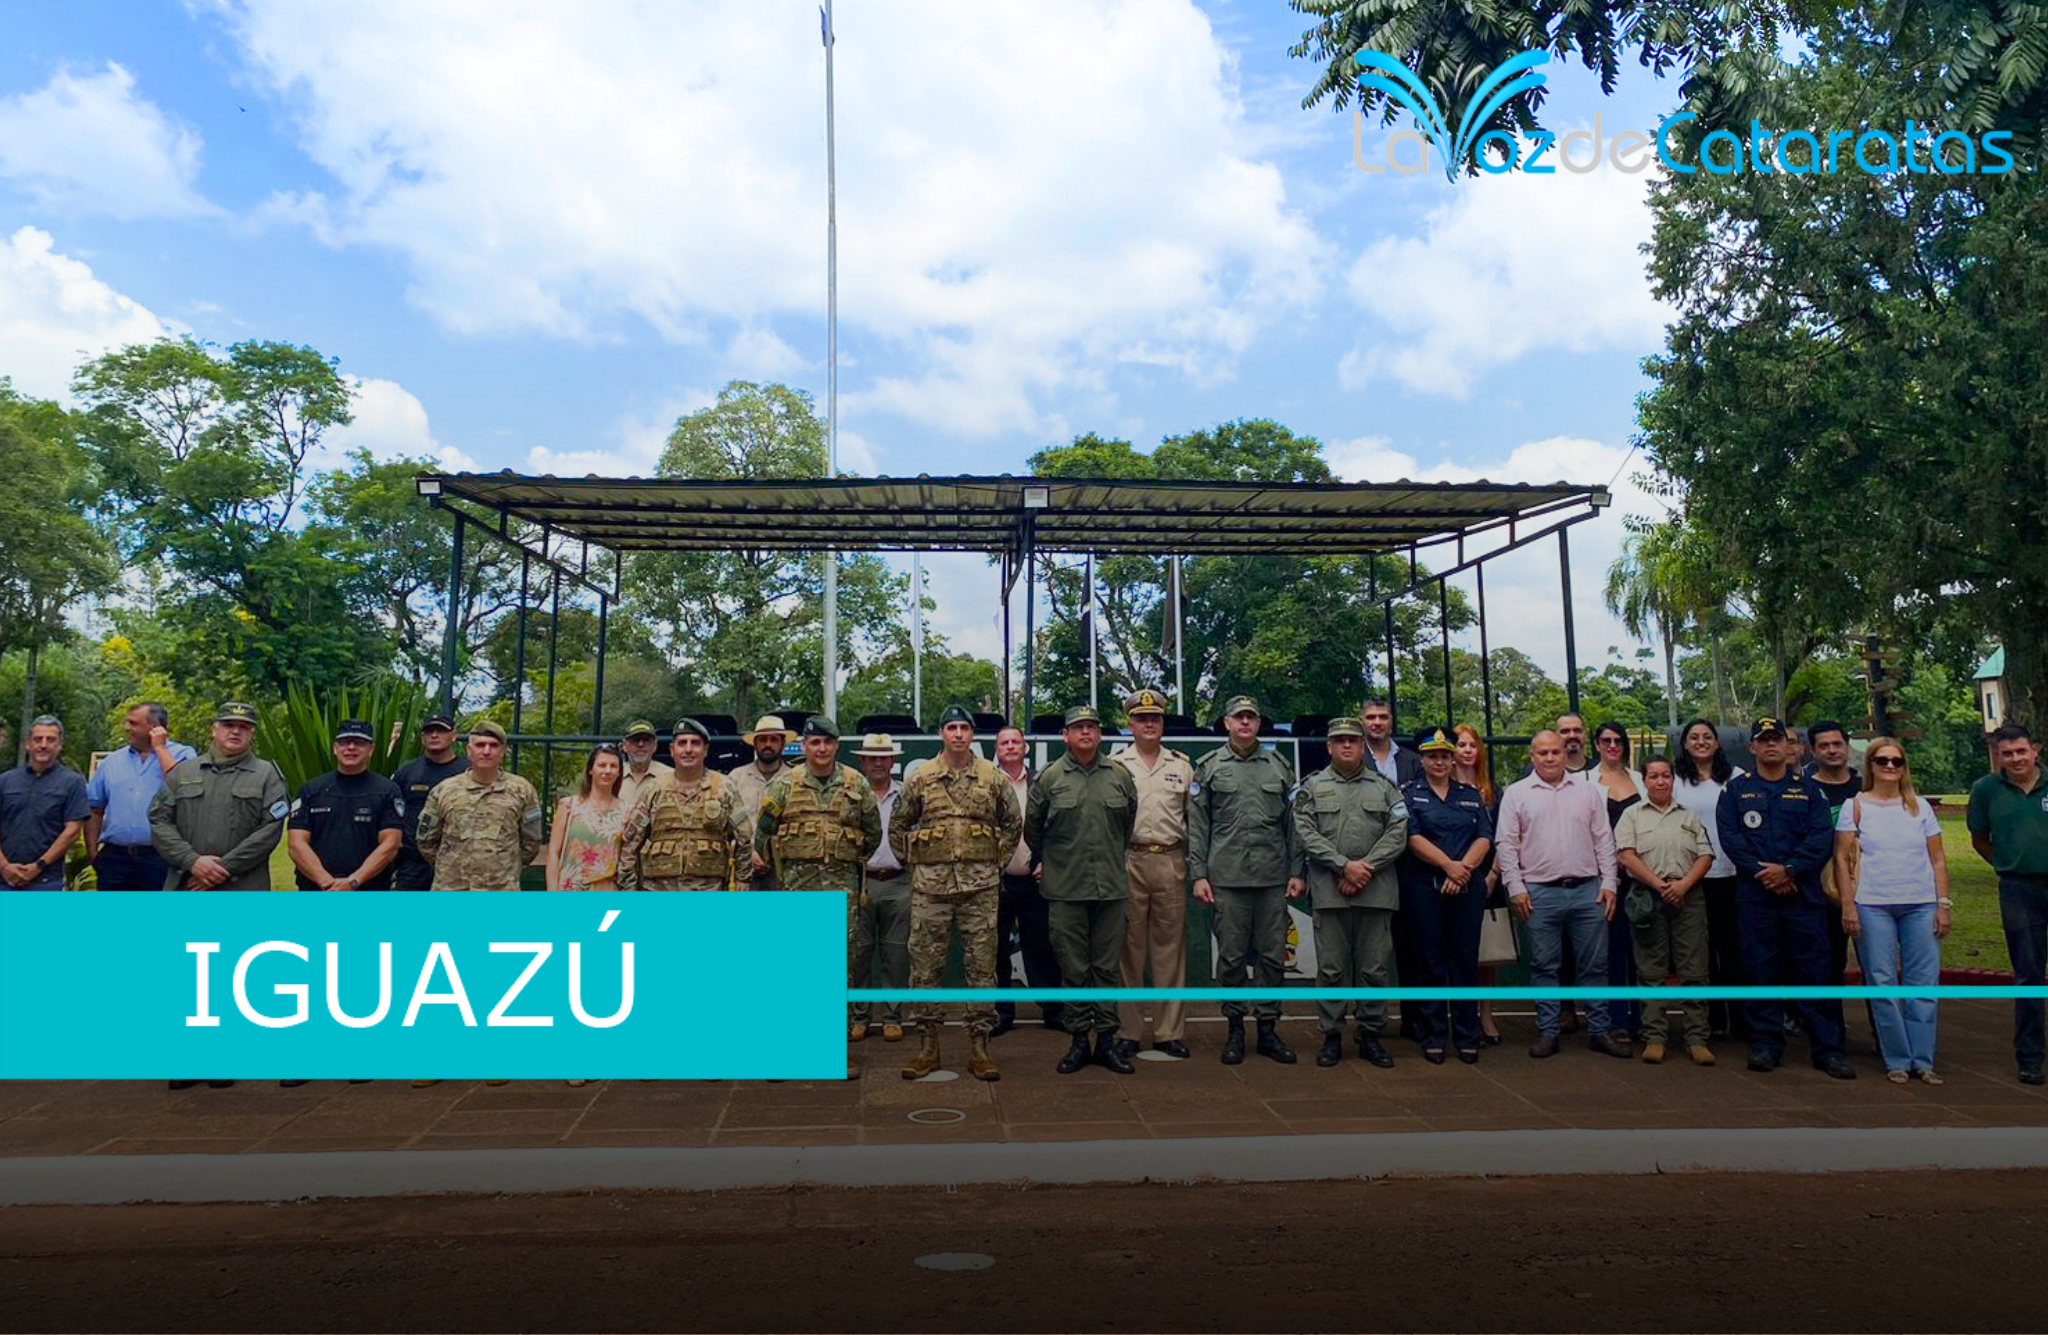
(1157, 848)
(131, 848)
(884, 874)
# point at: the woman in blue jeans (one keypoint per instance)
(1893, 879)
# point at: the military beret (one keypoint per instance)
(639, 727)
(693, 728)
(484, 727)
(353, 728)
(432, 721)
(1082, 714)
(1343, 726)
(1241, 704)
(1436, 738)
(1145, 701)
(821, 725)
(956, 714)
(234, 711)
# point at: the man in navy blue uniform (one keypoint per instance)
(1775, 827)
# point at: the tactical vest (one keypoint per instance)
(958, 822)
(817, 828)
(687, 833)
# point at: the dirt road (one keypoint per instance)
(1908, 1251)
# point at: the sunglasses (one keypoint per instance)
(1889, 762)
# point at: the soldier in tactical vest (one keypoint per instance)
(954, 826)
(688, 830)
(818, 823)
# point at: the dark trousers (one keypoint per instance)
(1445, 930)
(1021, 909)
(2023, 907)
(412, 872)
(1785, 940)
(1624, 1017)
(1407, 966)
(1724, 955)
(1088, 938)
(130, 867)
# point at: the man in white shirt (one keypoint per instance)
(882, 928)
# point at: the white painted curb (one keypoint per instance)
(116, 1179)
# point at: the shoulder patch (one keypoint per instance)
(1399, 811)
(279, 809)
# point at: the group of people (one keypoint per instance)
(1682, 869)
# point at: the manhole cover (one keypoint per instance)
(937, 1116)
(956, 1261)
(938, 1077)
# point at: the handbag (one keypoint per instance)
(1497, 944)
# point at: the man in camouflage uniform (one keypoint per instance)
(1352, 825)
(687, 830)
(955, 826)
(218, 816)
(482, 828)
(1245, 858)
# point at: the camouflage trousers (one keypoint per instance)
(932, 922)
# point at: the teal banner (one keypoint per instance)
(453, 986)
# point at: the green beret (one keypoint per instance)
(821, 725)
(1083, 714)
(693, 728)
(956, 714)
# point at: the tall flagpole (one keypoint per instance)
(1180, 632)
(826, 34)
(917, 637)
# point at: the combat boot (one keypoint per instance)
(1233, 1044)
(927, 1059)
(1271, 1046)
(979, 1064)
(1333, 1049)
(1110, 1053)
(1077, 1056)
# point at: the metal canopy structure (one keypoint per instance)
(1461, 525)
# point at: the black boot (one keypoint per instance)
(1271, 1046)
(1333, 1049)
(1077, 1056)
(1374, 1051)
(1233, 1044)
(1110, 1053)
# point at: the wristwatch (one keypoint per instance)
(1945, 902)
(42, 866)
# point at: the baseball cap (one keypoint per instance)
(639, 727)
(353, 728)
(1343, 726)
(1082, 714)
(1765, 727)
(234, 711)
(1240, 704)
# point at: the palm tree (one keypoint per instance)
(1641, 591)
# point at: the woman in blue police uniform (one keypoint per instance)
(1443, 889)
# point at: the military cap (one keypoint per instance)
(878, 744)
(433, 721)
(1435, 738)
(691, 727)
(1146, 701)
(353, 728)
(956, 714)
(484, 727)
(234, 711)
(1765, 727)
(1343, 726)
(1240, 704)
(821, 725)
(1082, 714)
(639, 727)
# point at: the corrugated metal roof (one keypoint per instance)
(989, 513)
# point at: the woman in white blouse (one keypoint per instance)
(1703, 771)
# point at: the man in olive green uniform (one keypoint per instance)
(1078, 822)
(954, 826)
(481, 828)
(688, 830)
(1352, 825)
(218, 816)
(1243, 854)
(1156, 922)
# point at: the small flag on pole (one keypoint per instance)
(824, 27)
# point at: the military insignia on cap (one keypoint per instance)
(956, 714)
(1081, 714)
(820, 725)
(1145, 701)
(234, 711)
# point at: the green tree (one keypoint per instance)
(744, 626)
(51, 552)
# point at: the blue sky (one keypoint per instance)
(538, 233)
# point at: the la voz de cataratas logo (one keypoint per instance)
(1496, 152)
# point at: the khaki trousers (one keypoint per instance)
(1155, 933)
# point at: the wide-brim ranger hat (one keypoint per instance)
(765, 723)
(878, 744)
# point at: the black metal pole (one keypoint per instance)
(519, 656)
(1485, 673)
(604, 609)
(547, 777)
(1023, 719)
(1571, 639)
(1393, 705)
(454, 628)
(1443, 612)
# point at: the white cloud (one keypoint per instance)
(638, 438)
(85, 143)
(1028, 195)
(1509, 265)
(390, 422)
(54, 314)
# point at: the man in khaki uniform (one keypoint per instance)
(752, 779)
(642, 770)
(482, 828)
(955, 825)
(688, 831)
(1155, 932)
(218, 816)
(882, 932)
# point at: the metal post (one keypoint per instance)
(454, 629)
(604, 609)
(1571, 641)
(1023, 719)
(917, 637)
(1088, 620)
(1443, 612)
(831, 693)
(1393, 705)
(547, 774)
(1009, 646)
(1180, 630)
(519, 657)
(1485, 671)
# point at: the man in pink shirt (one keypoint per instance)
(1557, 862)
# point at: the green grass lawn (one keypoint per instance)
(1975, 938)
